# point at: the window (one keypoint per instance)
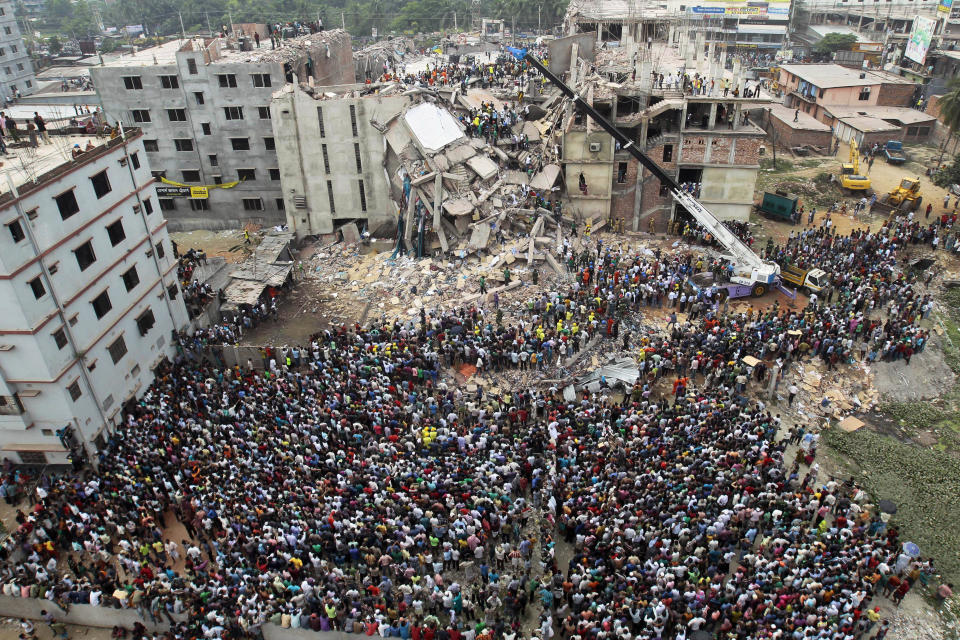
(261, 80)
(353, 119)
(199, 204)
(205, 127)
(8, 71)
(67, 204)
(240, 144)
(252, 204)
(213, 160)
(333, 209)
(668, 153)
(101, 305)
(269, 144)
(74, 391)
(198, 96)
(145, 322)
(227, 80)
(864, 93)
(233, 113)
(32, 214)
(264, 113)
(159, 174)
(160, 252)
(117, 349)
(151, 146)
(8, 30)
(85, 255)
(135, 160)
(363, 196)
(147, 206)
(247, 174)
(131, 278)
(320, 118)
(622, 172)
(169, 82)
(116, 233)
(167, 204)
(16, 231)
(192, 66)
(280, 204)
(141, 115)
(356, 155)
(132, 82)
(13, 48)
(3, 52)
(172, 292)
(274, 174)
(190, 175)
(217, 179)
(19, 66)
(101, 184)
(177, 115)
(326, 159)
(36, 285)
(183, 144)
(60, 338)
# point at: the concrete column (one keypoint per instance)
(638, 193)
(613, 108)
(737, 109)
(712, 122)
(644, 126)
(645, 74)
(723, 60)
(683, 116)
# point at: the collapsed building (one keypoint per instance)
(399, 163)
(709, 139)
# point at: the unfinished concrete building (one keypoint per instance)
(331, 155)
(709, 141)
(204, 107)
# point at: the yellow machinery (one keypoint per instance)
(905, 196)
(850, 178)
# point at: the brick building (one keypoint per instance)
(813, 88)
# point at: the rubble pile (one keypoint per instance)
(294, 50)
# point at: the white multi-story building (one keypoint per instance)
(16, 70)
(89, 284)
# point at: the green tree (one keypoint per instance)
(949, 105)
(948, 174)
(54, 45)
(833, 42)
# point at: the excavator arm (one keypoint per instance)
(743, 255)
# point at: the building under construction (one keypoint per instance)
(678, 101)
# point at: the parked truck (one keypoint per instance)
(779, 205)
(893, 152)
(805, 280)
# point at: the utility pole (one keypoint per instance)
(539, 7)
(319, 24)
(207, 14)
(455, 21)
(513, 30)
(182, 34)
(230, 28)
(343, 21)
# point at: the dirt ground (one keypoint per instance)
(226, 244)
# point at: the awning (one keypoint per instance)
(623, 370)
(546, 178)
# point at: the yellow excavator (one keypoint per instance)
(905, 196)
(850, 179)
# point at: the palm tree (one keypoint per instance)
(949, 104)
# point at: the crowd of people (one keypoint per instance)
(347, 484)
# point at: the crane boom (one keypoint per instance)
(744, 257)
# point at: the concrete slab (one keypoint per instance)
(483, 166)
(351, 235)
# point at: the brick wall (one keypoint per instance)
(720, 150)
(653, 205)
(787, 136)
(694, 148)
(623, 195)
(748, 151)
(896, 95)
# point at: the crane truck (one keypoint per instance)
(748, 275)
